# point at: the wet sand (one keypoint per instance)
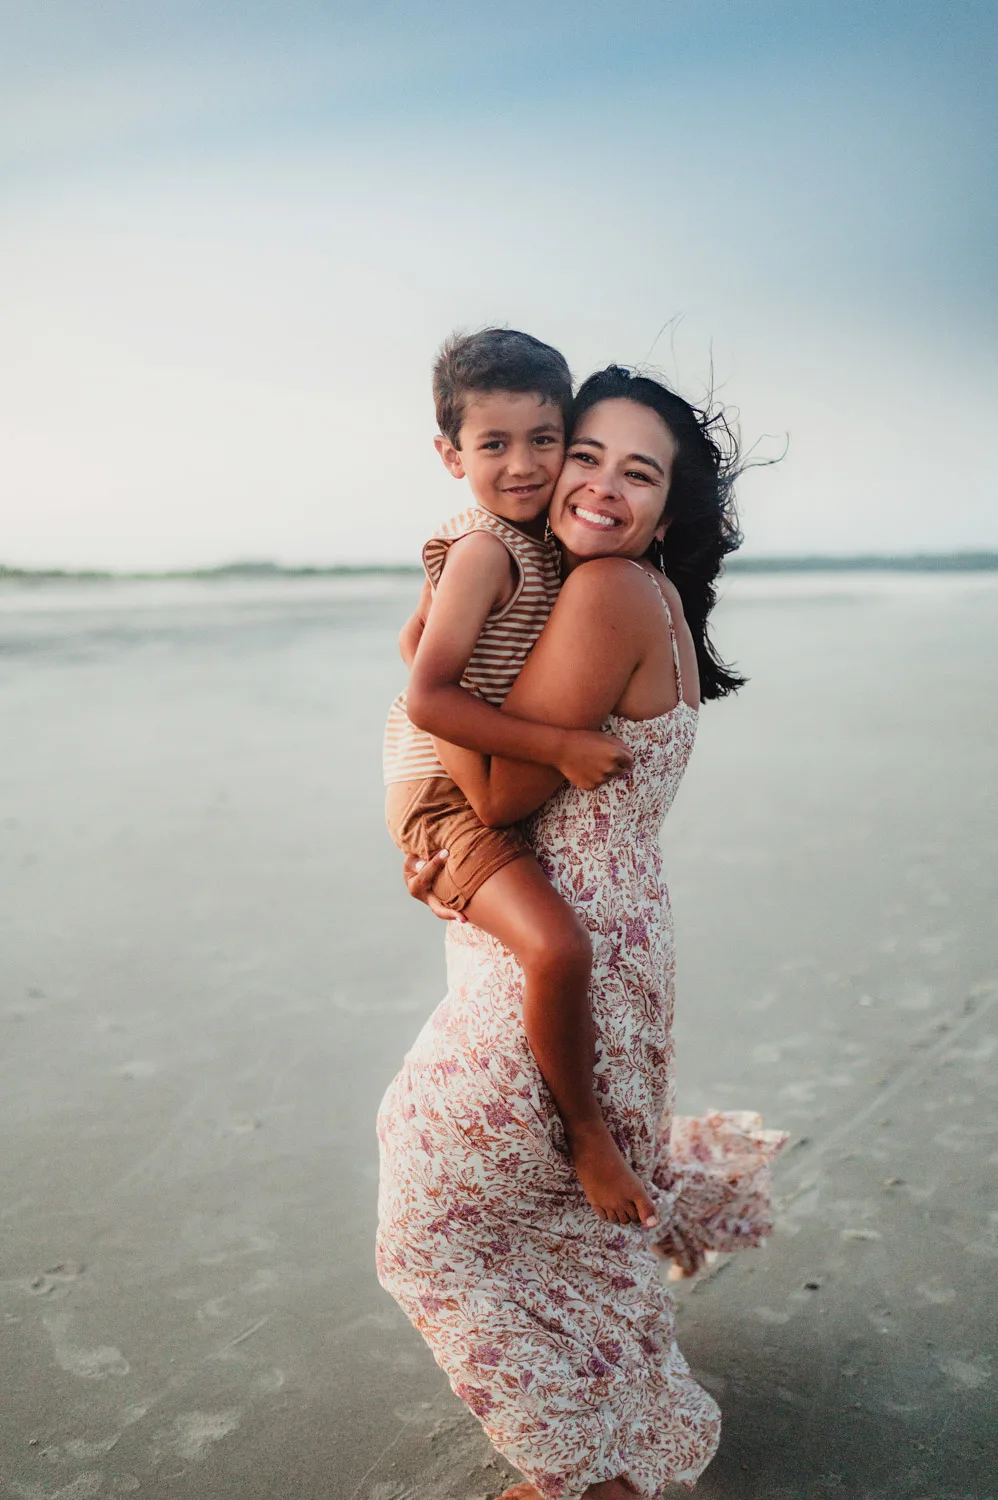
(211, 971)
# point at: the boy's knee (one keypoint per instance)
(561, 945)
(574, 943)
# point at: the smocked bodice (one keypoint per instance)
(628, 810)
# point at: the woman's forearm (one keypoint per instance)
(409, 638)
(412, 631)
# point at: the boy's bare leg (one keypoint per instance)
(519, 906)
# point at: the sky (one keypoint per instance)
(232, 236)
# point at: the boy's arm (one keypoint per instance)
(476, 578)
(412, 630)
(572, 686)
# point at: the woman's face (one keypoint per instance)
(611, 494)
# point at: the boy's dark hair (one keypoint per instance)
(496, 359)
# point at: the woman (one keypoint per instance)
(552, 1323)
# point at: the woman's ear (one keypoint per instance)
(449, 455)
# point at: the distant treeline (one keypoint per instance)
(867, 562)
(225, 570)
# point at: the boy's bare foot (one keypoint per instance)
(521, 1492)
(615, 1192)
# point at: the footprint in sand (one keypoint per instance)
(79, 1450)
(968, 1371)
(83, 1487)
(771, 1315)
(939, 1296)
(196, 1431)
(87, 1364)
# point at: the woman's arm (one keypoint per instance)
(411, 632)
(574, 677)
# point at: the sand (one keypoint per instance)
(211, 971)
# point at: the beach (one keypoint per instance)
(211, 971)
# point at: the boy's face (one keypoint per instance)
(511, 453)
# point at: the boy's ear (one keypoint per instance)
(450, 456)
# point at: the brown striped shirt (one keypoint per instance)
(507, 637)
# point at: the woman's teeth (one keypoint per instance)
(594, 517)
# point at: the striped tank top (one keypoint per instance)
(507, 637)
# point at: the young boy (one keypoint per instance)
(502, 399)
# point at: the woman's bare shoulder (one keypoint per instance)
(605, 579)
(619, 585)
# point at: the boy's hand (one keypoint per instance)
(590, 758)
(615, 1192)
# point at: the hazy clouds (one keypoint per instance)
(231, 237)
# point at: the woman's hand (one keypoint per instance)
(419, 875)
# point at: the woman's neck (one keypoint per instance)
(571, 560)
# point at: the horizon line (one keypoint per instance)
(981, 560)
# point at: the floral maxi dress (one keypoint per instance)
(552, 1325)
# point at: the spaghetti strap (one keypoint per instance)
(672, 628)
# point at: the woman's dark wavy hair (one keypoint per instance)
(703, 523)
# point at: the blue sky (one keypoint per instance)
(231, 237)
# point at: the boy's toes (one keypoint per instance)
(647, 1214)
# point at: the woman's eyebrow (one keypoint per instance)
(652, 463)
(642, 458)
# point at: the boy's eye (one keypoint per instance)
(493, 445)
(545, 440)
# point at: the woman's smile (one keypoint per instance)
(602, 519)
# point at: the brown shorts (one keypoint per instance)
(424, 816)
